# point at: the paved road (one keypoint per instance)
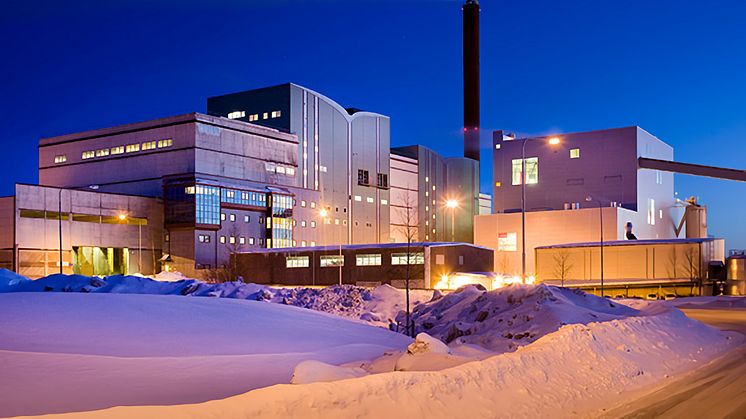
(717, 390)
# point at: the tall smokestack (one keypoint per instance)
(471, 79)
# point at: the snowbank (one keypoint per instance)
(568, 373)
(71, 351)
(314, 372)
(378, 306)
(507, 318)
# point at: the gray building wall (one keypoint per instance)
(334, 144)
(89, 219)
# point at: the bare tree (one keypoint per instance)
(562, 265)
(407, 213)
(673, 263)
(692, 268)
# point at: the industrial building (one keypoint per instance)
(272, 168)
(425, 263)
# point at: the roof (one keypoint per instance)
(365, 246)
(170, 121)
(629, 243)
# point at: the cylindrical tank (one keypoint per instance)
(736, 266)
(696, 222)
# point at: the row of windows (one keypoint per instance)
(370, 200)
(363, 178)
(130, 148)
(241, 240)
(254, 117)
(372, 259)
(276, 168)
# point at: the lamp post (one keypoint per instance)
(452, 204)
(551, 141)
(601, 219)
(326, 216)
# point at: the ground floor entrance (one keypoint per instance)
(103, 261)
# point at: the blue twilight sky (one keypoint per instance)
(675, 68)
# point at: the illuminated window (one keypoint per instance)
(313, 243)
(415, 258)
(276, 114)
(658, 177)
(303, 204)
(102, 152)
(148, 145)
(532, 171)
(322, 169)
(233, 217)
(331, 260)
(88, 155)
(189, 190)
(497, 146)
(232, 240)
(265, 115)
(507, 242)
(574, 153)
(290, 171)
(222, 239)
(358, 198)
(303, 223)
(313, 204)
(254, 117)
(236, 114)
(368, 260)
(251, 240)
(313, 224)
(222, 216)
(61, 158)
(246, 218)
(242, 240)
(651, 211)
(280, 169)
(117, 150)
(384, 202)
(296, 262)
(131, 148)
(370, 200)
(165, 143)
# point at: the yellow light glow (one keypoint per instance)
(122, 217)
(554, 140)
(324, 213)
(452, 203)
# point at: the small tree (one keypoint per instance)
(562, 265)
(409, 228)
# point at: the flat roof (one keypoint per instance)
(629, 243)
(365, 246)
(169, 121)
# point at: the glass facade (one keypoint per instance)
(415, 258)
(239, 197)
(532, 171)
(281, 225)
(207, 204)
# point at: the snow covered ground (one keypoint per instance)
(377, 307)
(514, 352)
(64, 352)
(575, 371)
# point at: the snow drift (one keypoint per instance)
(378, 306)
(509, 317)
(64, 352)
(568, 373)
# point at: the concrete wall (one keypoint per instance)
(38, 238)
(628, 261)
(7, 232)
(544, 228)
(606, 169)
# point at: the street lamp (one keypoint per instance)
(325, 215)
(552, 141)
(452, 204)
(601, 219)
